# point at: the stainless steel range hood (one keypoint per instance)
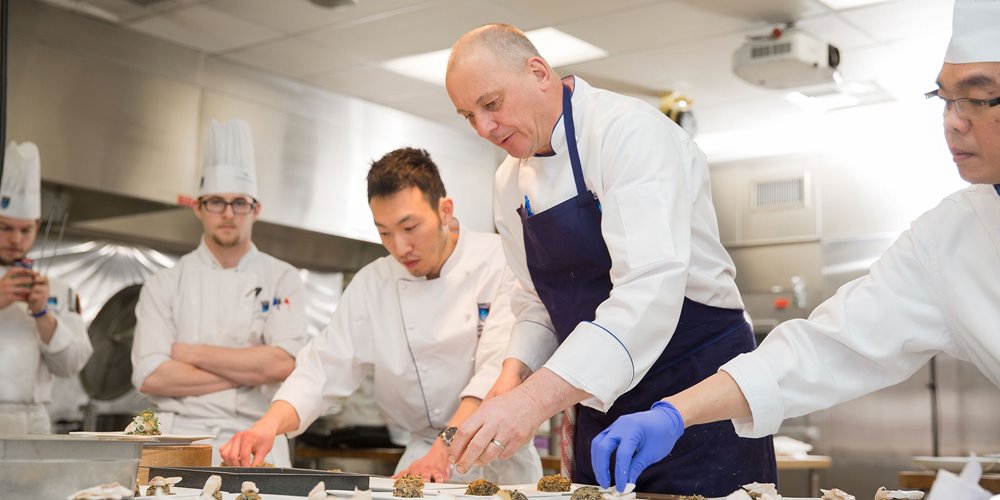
(118, 117)
(173, 229)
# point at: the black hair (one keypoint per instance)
(405, 168)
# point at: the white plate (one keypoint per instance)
(531, 490)
(173, 496)
(955, 464)
(381, 495)
(377, 483)
(164, 439)
(387, 495)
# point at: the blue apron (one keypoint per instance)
(569, 266)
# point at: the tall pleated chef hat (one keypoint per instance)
(228, 164)
(975, 32)
(20, 188)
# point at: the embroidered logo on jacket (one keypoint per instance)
(484, 312)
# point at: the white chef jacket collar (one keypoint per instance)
(449, 263)
(558, 137)
(209, 259)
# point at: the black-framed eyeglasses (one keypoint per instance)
(241, 206)
(966, 107)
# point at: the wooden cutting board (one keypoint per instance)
(190, 455)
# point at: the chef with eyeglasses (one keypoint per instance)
(936, 289)
(41, 332)
(216, 334)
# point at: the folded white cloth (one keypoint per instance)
(785, 446)
(965, 486)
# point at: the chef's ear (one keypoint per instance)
(196, 208)
(256, 210)
(446, 209)
(541, 71)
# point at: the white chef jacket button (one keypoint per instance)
(437, 411)
(402, 285)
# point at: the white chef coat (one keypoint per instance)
(430, 343)
(658, 223)
(259, 302)
(936, 289)
(27, 365)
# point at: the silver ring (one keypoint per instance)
(498, 443)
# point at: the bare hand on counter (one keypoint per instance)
(248, 448)
(432, 467)
(502, 425)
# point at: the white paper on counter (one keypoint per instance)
(965, 486)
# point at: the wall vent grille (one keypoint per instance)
(780, 193)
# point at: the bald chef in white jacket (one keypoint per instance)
(41, 332)
(216, 333)
(936, 289)
(625, 292)
(433, 319)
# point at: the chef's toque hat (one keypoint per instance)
(20, 188)
(975, 32)
(228, 165)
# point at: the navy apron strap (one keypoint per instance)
(574, 155)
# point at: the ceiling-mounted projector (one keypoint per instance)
(786, 59)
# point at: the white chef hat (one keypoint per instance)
(228, 164)
(20, 188)
(975, 32)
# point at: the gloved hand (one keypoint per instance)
(641, 438)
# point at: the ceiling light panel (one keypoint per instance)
(557, 47)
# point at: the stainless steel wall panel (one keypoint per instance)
(731, 188)
(758, 268)
(968, 404)
(103, 125)
(120, 112)
(34, 22)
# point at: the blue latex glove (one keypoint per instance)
(642, 439)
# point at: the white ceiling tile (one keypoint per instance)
(769, 11)
(893, 21)
(204, 28)
(433, 106)
(436, 26)
(294, 16)
(655, 26)
(375, 84)
(849, 4)
(656, 67)
(834, 30)
(295, 57)
(906, 69)
(125, 10)
(655, 45)
(554, 12)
